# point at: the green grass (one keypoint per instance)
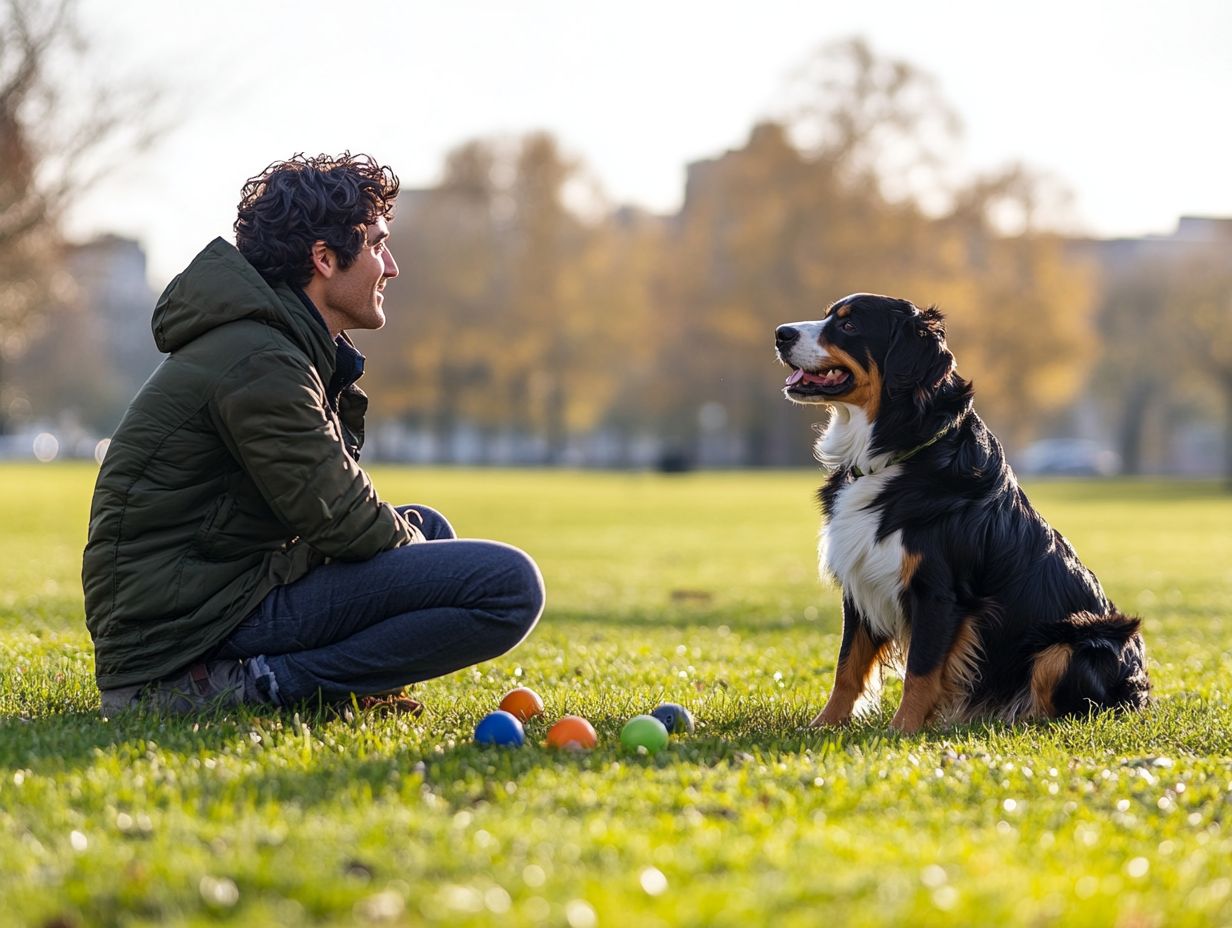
(699, 589)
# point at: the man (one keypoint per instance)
(237, 551)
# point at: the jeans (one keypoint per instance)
(408, 614)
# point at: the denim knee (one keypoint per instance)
(433, 525)
(525, 595)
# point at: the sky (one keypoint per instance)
(1125, 102)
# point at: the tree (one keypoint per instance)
(1134, 334)
(623, 357)
(498, 254)
(446, 239)
(1198, 311)
(636, 323)
(1020, 306)
(58, 134)
(752, 245)
(811, 208)
(545, 238)
(1165, 320)
(881, 122)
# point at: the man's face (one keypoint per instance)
(355, 294)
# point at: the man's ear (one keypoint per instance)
(324, 261)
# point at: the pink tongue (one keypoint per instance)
(829, 378)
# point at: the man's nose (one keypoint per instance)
(391, 266)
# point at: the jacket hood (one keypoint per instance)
(220, 287)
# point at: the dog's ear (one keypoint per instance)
(918, 360)
(929, 323)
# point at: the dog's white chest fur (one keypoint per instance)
(870, 571)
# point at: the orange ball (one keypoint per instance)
(522, 703)
(572, 733)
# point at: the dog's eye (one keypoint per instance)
(848, 326)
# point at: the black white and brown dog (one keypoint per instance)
(944, 564)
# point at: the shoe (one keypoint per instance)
(391, 704)
(380, 704)
(201, 688)
(120, 699)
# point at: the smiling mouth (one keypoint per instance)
(828, 382)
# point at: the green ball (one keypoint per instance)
(644, 731)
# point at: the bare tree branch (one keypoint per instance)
(55, 139)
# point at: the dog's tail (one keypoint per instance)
(1090, 662)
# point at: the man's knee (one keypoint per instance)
(524, 595)
(433, 525)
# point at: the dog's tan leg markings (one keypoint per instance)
(911, 563)
(943, 689)
(1050, 666)
(850, 678)
(962, 664)
(921, 695)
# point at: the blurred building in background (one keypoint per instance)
(1160, 391)
(111, 278)
(88, 355)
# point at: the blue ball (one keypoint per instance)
(500, 727)
(675, 718)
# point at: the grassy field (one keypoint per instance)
(698, 589)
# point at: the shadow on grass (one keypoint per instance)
(400, 755)
(64, 740)
(67, 740)
(736, 619)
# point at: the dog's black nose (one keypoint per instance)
(785, 336)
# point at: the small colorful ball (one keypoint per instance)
(500, 727)
(522, 703)
(644, 731)
(572, 733)
(675, 718)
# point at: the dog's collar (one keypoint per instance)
(901, 456)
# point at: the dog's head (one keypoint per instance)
(867, 351)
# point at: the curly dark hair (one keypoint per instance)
(292, 204)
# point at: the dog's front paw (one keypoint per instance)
(838, 708)
(828, 718)
(904, 725)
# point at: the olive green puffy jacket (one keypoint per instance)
(228, 476)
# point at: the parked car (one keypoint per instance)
(1070, 457)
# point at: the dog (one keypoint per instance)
(944, 564)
